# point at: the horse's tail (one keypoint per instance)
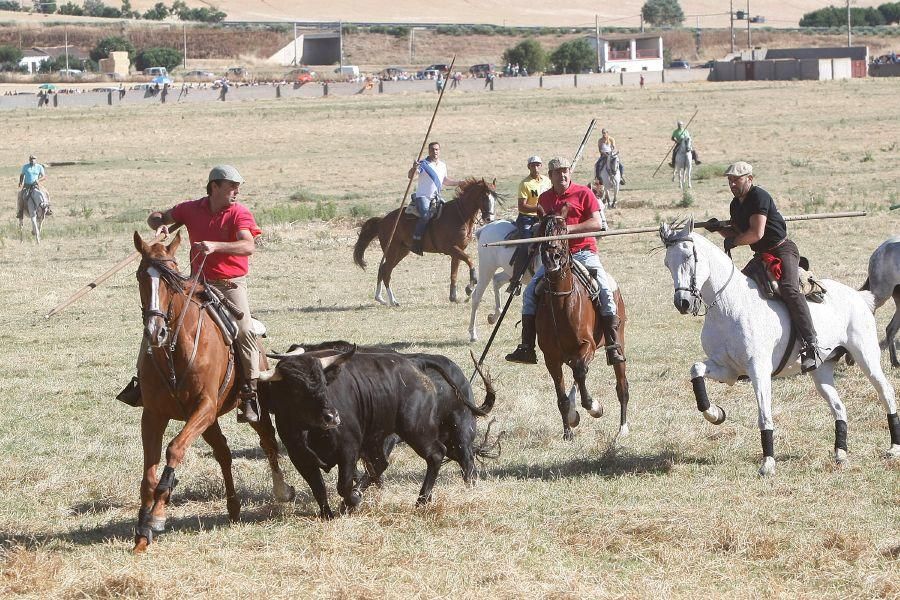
(367, 233)
(868, 299)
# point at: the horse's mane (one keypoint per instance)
(169, 274)
(676, 231)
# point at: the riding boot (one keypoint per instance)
(524, 353)
(249, 404)
(614, 353)
(810, 358)
(696, 157)
(131, 394)
(416, 247)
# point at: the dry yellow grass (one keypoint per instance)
(675, 511)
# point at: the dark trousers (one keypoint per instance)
(789, 287)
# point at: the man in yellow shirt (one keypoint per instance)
(529, 190)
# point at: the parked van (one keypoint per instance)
(481, 70)
(156, 71)
(238, 74)
(348, 71)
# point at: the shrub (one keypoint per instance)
(890, 11)
(10, 5)
(70, 8)
(687, 199)
(96, 8)
(529, 54)
(157, 13)
(10, 54)
(204, 15)
(112, 44)
(832, 16)
(663, 12)
(158, 57)
(573, 56)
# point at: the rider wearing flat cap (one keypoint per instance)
(583, 216)
(755, 221)
(222, 233)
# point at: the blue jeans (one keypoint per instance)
(423, 205)
(524, 223)
(589, 260)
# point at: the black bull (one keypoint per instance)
(337, 403)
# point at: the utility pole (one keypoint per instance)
(749, 43)
(642, 22)
(597, 38)
(731, 17)
(184, 39)
(67, 50)
(341, 39)
(412, 45)
(848, 23)
(295, 45)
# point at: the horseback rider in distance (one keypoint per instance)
(678, 135)
(583, 217)
(432, 178)
(607, 146)
(30, 176)
(755, 221)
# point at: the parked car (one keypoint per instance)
(73, 73)
(348, 71)
(481, 70)
(301, 75)
(679, 64)
(392, 73)
(441, 67)
(238, 74)
(200, 75)
(156, 72)
(427, 74)
(707, 65)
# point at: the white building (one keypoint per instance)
(629, 52)
(32, 58)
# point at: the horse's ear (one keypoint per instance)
(140, 245)
(174, 245)
(689, 225)
(494, 183)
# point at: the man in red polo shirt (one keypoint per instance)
(583, 217)
(222, 233)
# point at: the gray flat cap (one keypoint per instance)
(226, 172)
(558, 163)
(739, 169)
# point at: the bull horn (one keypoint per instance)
(337, 359)
(270, 375)
(295, 352)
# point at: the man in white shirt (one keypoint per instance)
(432, 178)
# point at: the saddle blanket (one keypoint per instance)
(434, 210)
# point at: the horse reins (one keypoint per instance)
(694, 291)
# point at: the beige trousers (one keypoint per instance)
(245, 344)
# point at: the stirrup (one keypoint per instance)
(131, 394)
(249, 407)
(523, 354)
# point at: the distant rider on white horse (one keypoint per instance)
(607, 146)
(755, 221)
(530, 190)
(678, 135)
(30, 177)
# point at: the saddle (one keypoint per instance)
(767, 280)
(434, 210)
(226, 315)
(582, 274)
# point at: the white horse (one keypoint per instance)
(746, 335)
(35, 203)
(610, 177)
(684, 162)
(490, 259)
(884, 282)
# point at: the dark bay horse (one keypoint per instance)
(448, 234)
(186, 372)
(569, 330)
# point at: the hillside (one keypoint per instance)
(575, 13)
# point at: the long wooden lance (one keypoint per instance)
(675, 145)
(895, 207)
(101, 278)
(698, 225)
(514, 285)
(418, 158)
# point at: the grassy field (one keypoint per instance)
(674, 511)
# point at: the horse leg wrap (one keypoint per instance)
(167, 481)
(840, 435)
(768, 443)
(894, 427)
(699, 386)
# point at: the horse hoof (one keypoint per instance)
(157, 524)
(140, 544)
(380, 300)
(595, 409)
(473, 337)
(394, 303)
(841, 458)
(568, 435)
(624, 432)
(715, 415)
(768, 467)
(492, 318)
(285, 494)
(574, 418)
(893, 452)
(469, 290)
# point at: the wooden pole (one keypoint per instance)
(633, 230)
(100, 279)
(418, 158)
(675, 145)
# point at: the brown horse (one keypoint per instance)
(448, 234)
(569, 330)
(186, 372)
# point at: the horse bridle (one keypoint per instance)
(694, 291)
(566, 260)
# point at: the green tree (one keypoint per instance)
(112, 44)
(529, 54)
(663, 12)
(70, 8)
(157, 13)
(47, 7)
(10, 54)
(11, 5)
(891, 12)
(573, 56)
(832, 16)
(158, 57)
(204, 15)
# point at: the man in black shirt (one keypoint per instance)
(755, 221)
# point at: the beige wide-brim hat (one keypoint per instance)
(226, 172)
(739, 169)
(558, 162)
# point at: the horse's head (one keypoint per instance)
(555, 253)
(157, 266)
(688, 273)
(482, 196)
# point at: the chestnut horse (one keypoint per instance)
(448, 234)
(569, 330)
(187, 373)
